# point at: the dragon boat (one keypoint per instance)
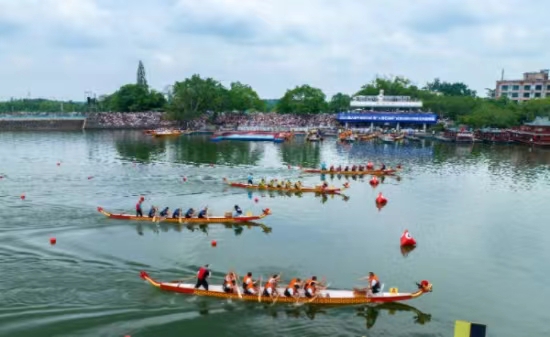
(327, 297)
(316, 189)
(228, 218)
(387, 172)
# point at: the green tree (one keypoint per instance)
(339, 102)
(41, 105)
(141, 80)
(449, 89)
(392, 86)
(242, 98)
(135, 98)
(303, 100)
(195, 96)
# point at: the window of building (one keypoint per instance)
(548, 88)
(515, 95)
(516, 87)
(504, 94)
(526, 87)
(538, 87)
(537, 94)
(504, 88)
(526, 95)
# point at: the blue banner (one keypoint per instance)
(388, 118)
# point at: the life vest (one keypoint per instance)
(270, 283)
(203, 272)
(310, 284)
(138, 206)
(374, 278)
(228, 281)
(247, 282)
(293, 284)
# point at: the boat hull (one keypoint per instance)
(282, 189)
(325, 297)
(213, 219)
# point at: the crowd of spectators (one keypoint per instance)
(134, 120)
(275, 121)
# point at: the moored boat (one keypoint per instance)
(165, 133)
(316, 189)
(353, 173)
(329, 297)
(210, 219)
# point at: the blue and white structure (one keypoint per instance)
(395, 111)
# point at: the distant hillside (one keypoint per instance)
(270, 103)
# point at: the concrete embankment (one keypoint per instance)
(41, 124)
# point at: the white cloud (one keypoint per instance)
(61, 48)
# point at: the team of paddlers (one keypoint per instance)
(165, 213)
(355, 168)
(250, 286)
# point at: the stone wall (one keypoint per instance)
(41, 124)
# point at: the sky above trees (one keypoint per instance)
(63, 48)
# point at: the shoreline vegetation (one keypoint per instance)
(197, 102)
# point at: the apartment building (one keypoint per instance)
(533, 85)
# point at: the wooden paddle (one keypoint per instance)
(260, 291)
(237, 286)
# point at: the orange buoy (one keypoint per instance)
(213, 243)
(381, 200)
(407, 239)
(53, 241)
(22, 196)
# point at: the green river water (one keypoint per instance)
(479, 214)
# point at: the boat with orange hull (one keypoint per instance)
(183, 220)
(387, 172)
(166, 133)
(328, 190)
(328, 297)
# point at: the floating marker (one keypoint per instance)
(184, 179)
(22, 196)
(58, 163)
(381, 200)
(53, 241)
(213, 243)
(256, 199)
(407, 239)
(90, 177)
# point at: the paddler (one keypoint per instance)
(374, 283)
(361, 168)
(139, 211)
(190, 212)
(153, 211)
(250, 179)
(298, 185)
(270, 288)
(203, 213)
(370, 165)
(331, 169)
(293, 289)
(323, 166)
(271, 183)
(310, 287)
(382, 167)
(177, 213)
(249, 284)
(279, 183)
(339, 168)
(324, 185)
(229, 282)
(238, 211)
(202, 275)
(288, 184)
(354, 168)
(262, 183)
(164, 213)
(346, 169)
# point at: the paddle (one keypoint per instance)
(237, 286)
(260, 291)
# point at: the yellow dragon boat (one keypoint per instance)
(316, 189)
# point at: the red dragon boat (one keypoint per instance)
(329, 297)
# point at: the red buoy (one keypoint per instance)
(58, 163)
(53, 241)
(22, 196)
(90, 177)
(381, 200)
(256, 199)
(374, 181)
(289, 167)
(184, 179)
(1, 177)
(407, 239)
(213, 243)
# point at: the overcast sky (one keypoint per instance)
(63, 48)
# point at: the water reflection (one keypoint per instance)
(406, 250)
(323, 198)
(134, 146)
(300, 152)
(371, 313)
(165, 227)
(200, 150)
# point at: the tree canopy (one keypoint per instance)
(303, 100)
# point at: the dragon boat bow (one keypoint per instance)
(211, 219)
(327, 297)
